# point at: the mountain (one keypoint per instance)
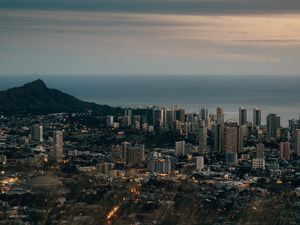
(35, 97)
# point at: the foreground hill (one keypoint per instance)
(35, 97)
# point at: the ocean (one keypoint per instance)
(273, 94)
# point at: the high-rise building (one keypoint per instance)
(104, 167)
(203, 138)
(242, 136)
(137, 122)
(136, 154)
(218, 130)
(109, 121)
(125, 146)
(242, 116)
(280, 132)
(128, 112)
(273, 123)
(142, 112)
(180, 148)
(258, 164)
(170, 117)
(231, 158)
(180, 115)
(297, 142)
(285, 150)
(58, 143)
(116, 153)
(199, 162)
(231, 139)
(126, 121)
(177, 126)
(260, 151)
(163, 115)
(256, 117)
(220, 115)
(157, 118)
(210, 121)
(37, 133)
(150, 116)
(128, 117)
(162, 166)
(203, 113)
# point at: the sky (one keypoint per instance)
(138, 37)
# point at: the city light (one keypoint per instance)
(112, 213)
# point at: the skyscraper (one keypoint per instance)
(157, 118)
(126, 121)
(109, 121)
(297, 142)
(170, 117)
(260, 151)
(180, 148)
(125, 146)
(150, 116)
(159, 165)
(137, 122)
(218, 130)
(203, 138)
(163, 116)
(37, 133)
(128, 112)
(242, 136)
(220, 115)
(58, 145)
(203, 113)
(273, 123)
(128, 117)
(256, 117)
(231, 139)
(285, 151)
(135, 154)
(242, 116)
(179, 115)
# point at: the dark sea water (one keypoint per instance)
(273, 94)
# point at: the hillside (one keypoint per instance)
(35, 97)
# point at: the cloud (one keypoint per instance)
(53, 41)
(159, 6)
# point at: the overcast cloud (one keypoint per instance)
(149, 37)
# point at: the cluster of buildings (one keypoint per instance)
(126, 153)
(215, 136)
(56, 152)
(234, 141)
(204, 148)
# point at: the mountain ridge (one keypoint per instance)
(35, 97)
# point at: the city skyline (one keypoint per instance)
(65, 160)
(153, 112)
(190, 103)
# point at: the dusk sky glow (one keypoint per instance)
(150, 37)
